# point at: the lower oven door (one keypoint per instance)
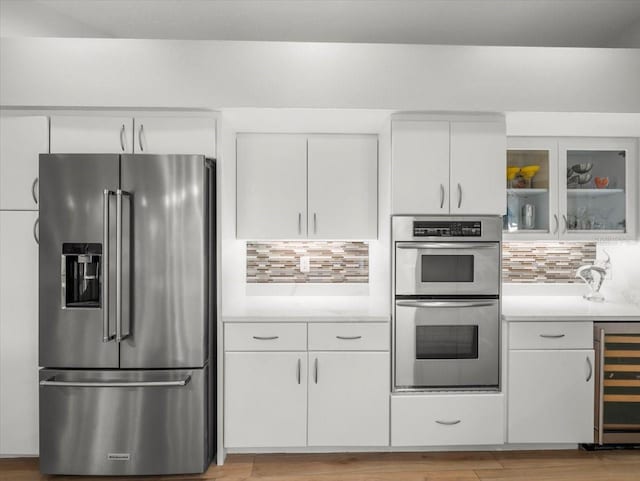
(447, 344)
(123, 422)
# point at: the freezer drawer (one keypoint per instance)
(124, 422)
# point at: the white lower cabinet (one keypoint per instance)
(348, 399)
(265, 399)
(18, 334)
(447, 419)
(551, 396)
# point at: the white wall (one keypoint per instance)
(210, 74)
(242, 299)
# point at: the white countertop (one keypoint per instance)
(567, 308)
(302, 318)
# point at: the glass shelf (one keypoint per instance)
(527, 191)
(594, 192)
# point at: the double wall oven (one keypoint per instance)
(446, 322)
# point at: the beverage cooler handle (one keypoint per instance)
(106, 336)
(600, 373)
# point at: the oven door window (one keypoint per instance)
(447, 268)
(447, 342)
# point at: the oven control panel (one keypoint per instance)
(447, 229)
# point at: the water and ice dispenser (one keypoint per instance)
(81, 279)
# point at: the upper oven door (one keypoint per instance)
(447, 268)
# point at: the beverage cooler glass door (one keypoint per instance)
(165, 204)
(447, 268)
(452, 344)
(72, 259)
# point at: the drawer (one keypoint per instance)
(551, 335)
(265, 336)
(447, 420)
(349, 336)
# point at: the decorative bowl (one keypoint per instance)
(512, 172)
(582, 168)
(528, 171)
(601, 182)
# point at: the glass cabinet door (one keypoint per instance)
(596, 187)
(531, 178)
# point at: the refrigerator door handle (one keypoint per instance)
(119, 334)
(53, 382)
(106, 335)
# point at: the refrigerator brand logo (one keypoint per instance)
(118, 456)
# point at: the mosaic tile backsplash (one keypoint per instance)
(545, 262)
(330, 262)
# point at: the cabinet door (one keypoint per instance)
(348, 399)
(551, 396)
(271, 186)
(598, 188)
(532, 189)
(343, 186)
(18, 334)
(91, 135)
(175, 135)
(420, 167)
(265, 399)
(22, 139)
(478, 165)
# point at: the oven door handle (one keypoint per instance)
(439, 304)
(447, 245)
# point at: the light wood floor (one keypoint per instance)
(484, 466)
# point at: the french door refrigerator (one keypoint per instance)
(126, 314)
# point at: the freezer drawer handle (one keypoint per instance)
(552, 336)
(438, 304)
(348, 338)
(53, 382)
(265, 338)
(449, 423)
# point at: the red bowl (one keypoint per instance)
(601, 182)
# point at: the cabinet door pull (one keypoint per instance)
(122, 137)
(299, 370)
(348, 338)
(33, 190)
(441, 196)
(448, 423)
(566, 224)
(459, 195)
(315, 223)
(557, 222)
(140, 137)
(265, 338)
(315, 371)
(590, 366)
(36, 230)
(552, 336)
(299, 222)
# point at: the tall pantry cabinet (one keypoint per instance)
(22, 139)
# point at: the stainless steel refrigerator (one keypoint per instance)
(127, 314)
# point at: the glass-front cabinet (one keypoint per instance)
(532, 189)
(571, 188)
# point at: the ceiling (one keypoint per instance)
(551, 23)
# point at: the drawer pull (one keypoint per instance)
(448, 423)
(348, 338)
(552, 336)
(590, 366)
(265, 338)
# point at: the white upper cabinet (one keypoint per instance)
(271, 186)
(342, 186)
(296, 186)
(175, 135)
(22, 140)
(420, 176)
(448, 164)
(91, 135)
(18, 334)
(478, 161)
